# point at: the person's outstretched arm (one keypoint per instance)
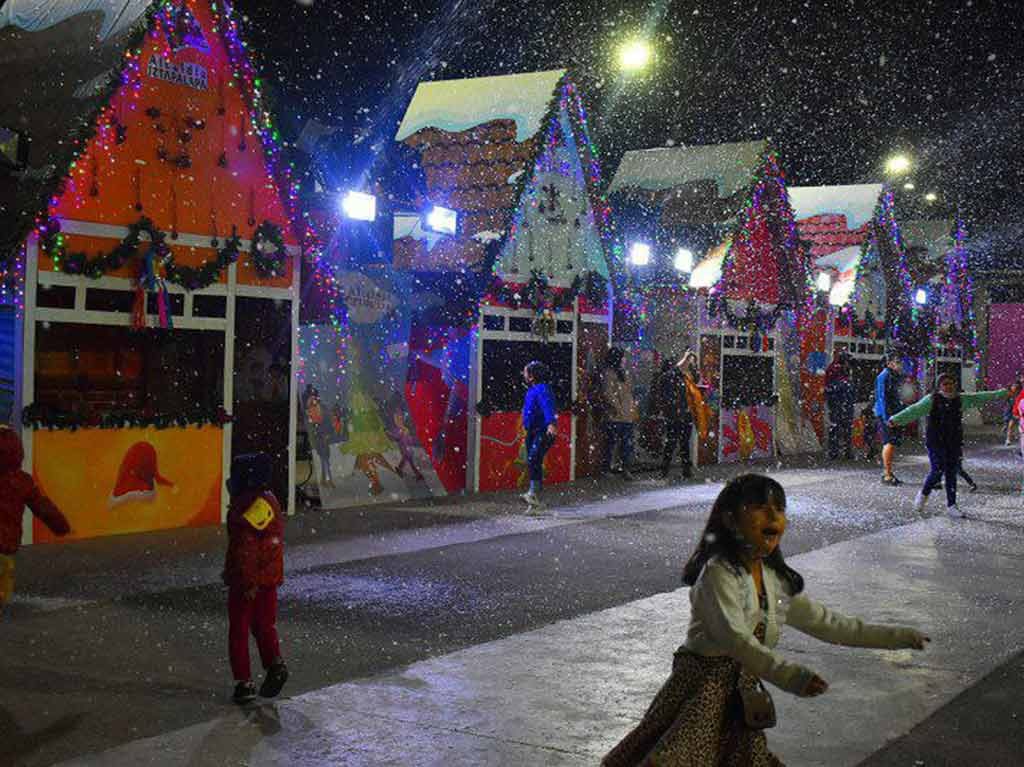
(976, 399)
(911, 413)
(816, 620)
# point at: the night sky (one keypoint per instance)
(837, 86)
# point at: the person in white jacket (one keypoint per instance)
(742, 593)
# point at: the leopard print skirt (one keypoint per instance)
(696, 720)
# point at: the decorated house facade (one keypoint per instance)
(150, 262)
(512, 157)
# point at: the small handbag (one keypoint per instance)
(758, 707)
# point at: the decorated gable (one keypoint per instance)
(176, 150)
(882, 289)
(554, 232)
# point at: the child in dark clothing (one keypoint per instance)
(944, 435)
(18, 490)
(253, 569)
(540, 424)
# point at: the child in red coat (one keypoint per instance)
(18, 490)
(253, 569)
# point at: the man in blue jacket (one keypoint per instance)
(888, 404)
(540, 423)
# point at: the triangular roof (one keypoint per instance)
(66, 128)
(115, 16)
(730, 166)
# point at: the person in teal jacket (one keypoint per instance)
(944, 435)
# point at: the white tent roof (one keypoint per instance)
(457, 105)
(933, 234)
(731, 166)
(36, 15)
(855, 201)
(842, 260)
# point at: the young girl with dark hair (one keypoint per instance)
(742, 593)
(944, 435)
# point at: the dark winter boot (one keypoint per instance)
(245, 692)
(277, 675)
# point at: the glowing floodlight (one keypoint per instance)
(909, 186)
(359, 206)
(824, 282)
(634, 55)
(684, 260)
(931, 197)
(897, 164)
(640, 254)
(921, 296)
(443, 220)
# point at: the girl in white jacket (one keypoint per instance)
(742, 593)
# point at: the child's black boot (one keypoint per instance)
(277, 675)
(245, 692)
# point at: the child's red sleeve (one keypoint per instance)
(47, 511)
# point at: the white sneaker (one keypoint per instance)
(955, 513)
(919, 502)
(531, 499)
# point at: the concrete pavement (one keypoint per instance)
(564, 693)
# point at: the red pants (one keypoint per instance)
(258, 615)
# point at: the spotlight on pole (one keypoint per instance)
(897, 164)
(921, 296)
(684, 260)
(359, 206)
(824, 282)
(634, 55)
(640, 254)
(442, 220)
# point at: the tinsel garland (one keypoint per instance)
(38, 416)
(51, 243)
(537, 294)
(753, 320)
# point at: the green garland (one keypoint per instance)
(189, 277)
(268, 251)
(38, 416)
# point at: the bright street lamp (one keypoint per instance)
(909, 186)
(931, 197)
(684, 260)
(640, 254)
(634, 55)
(897, 164)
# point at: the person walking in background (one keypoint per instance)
(19, 490)
(713, 709)
(1018, 411)
(839, 398)
(540, 422)
(887, 404)
(944, 434)
(673, 401)
(253, 569)
(620, 407)
(1009, 417)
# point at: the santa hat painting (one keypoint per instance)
(138, 476)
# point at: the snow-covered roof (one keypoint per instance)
(36, 15)
(730, 166)
(932, 234)
(842, 260)
(457, 105)
(855, 201)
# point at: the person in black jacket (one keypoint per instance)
(671, 402)
(839, 396)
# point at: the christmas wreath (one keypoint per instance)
(51, 243)
(268, 250)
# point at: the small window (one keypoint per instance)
(209, 306)
(55, 296)
(771, 344)
(101, 300)
(564, 326)
(741, 342)
(520, 324)
(494, 322)
(729, 342)
(176, 302)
